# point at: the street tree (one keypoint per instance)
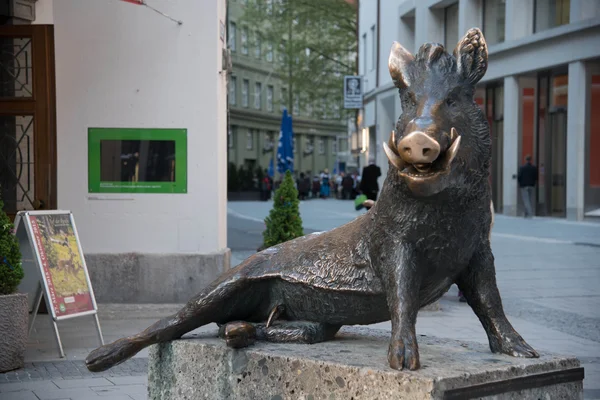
(312, 44)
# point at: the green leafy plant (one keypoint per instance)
(284, 222)
(11, 271)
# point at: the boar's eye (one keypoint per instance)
(450, 102)
(408, 99)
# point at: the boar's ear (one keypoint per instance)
(471, 56)
(399, 59)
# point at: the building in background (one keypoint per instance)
(70, 65)
(541, 92)
(256, 99)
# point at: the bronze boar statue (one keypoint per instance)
(429, 229)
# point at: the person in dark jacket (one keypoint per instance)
(527, 178)
(368, 184)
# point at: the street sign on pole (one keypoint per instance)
(353, 92)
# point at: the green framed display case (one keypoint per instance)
(137, 160)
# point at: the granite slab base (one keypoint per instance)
(353, 367)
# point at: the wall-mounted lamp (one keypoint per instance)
(365, 140)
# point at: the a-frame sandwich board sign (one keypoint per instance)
(55, 268)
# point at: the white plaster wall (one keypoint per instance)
(123, 65)
(393, 29)
(367, 17)
(44, 12)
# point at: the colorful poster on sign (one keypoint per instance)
(62, 265)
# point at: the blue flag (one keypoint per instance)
(271, 171)
(285, 148)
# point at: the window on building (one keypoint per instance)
(231, 136)
(232, 35)
(365, 56)
(232, 90)
(270, 98)
(296, 110)
(373, 48)
(334, 146)
(451, 26)
(282, 50)
(551, 13)
(269, 143)
(257, 95)
(269, 51)
(294, 144)
(336, 110)
(321, 146)
(250, 139)
(407, 26)
(309, 107)
(494, 16)
(284, 98)
(245, 90)
(257, 49)
(244, 39)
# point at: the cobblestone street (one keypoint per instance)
(548, 273)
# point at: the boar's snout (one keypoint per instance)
(418, 148)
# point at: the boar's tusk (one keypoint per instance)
(453, 134)
(393, 157)
(453, 150)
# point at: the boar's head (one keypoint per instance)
(441, 140)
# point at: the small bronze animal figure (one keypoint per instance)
(429, 229)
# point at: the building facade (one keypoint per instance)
(70, 65)
(541, 91)
(257, 96)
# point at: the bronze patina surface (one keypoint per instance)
(428, 229)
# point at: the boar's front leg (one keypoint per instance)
(401, 282)
(478, 285)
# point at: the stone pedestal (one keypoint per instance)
(354, 366)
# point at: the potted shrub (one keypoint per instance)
(14, 308)
(284, 222)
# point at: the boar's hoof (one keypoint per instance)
(404, 354)
(514, 345)
(239, 334)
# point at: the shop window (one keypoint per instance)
(560, 91)
(592, 189)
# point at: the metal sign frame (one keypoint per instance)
(353, 100)
(23, 221)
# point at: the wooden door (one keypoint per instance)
(27, 118)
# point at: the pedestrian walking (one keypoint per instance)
(368, 184)
(325, 186)
(527, 179)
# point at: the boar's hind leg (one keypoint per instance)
(229, 298)
(478, 285)
(242, 334)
